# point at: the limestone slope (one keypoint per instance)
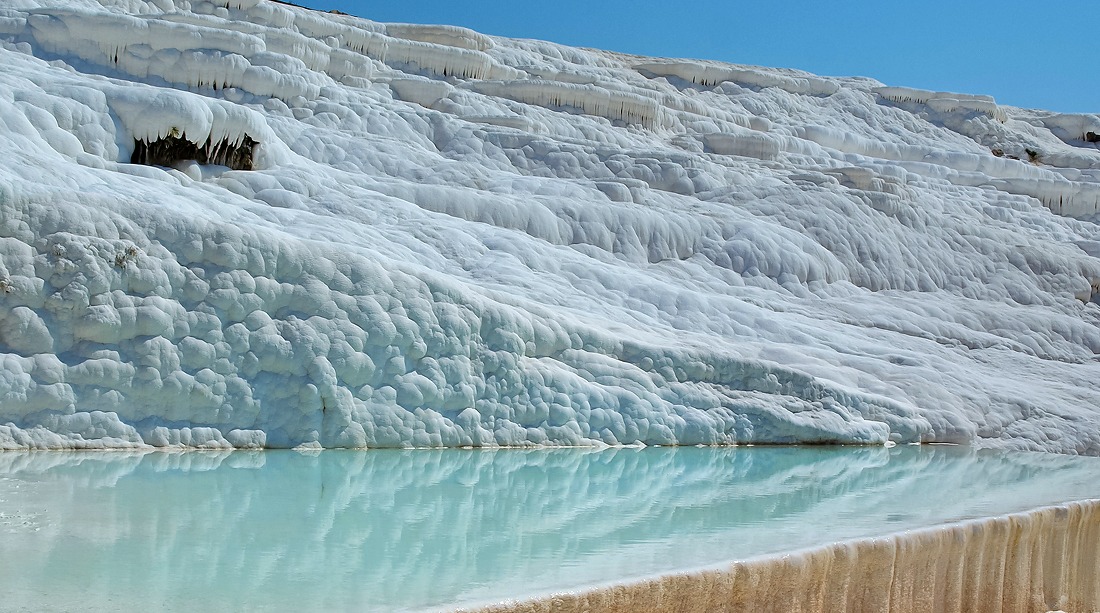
(248, 224)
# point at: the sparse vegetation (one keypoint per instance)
(123, 258)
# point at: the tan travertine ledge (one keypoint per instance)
(1038, 560)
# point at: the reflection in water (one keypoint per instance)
(416, 529)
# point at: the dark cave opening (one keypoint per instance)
(170, 150)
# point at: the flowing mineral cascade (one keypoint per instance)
(1034, 561)
(246, 224)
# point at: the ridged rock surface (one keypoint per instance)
(451, 239)
(1039, 561)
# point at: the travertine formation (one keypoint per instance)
(1038, 561)
(356, 234)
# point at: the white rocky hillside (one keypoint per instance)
(243, 223)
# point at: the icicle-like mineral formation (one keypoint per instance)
(170, 150)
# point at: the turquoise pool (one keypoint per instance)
(433, 529)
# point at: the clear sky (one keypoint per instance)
(1031, 54)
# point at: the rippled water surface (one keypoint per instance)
(420, 529)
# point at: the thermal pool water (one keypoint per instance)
(396, 530)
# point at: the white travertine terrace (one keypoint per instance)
(711, 74)
(590, 99)
(451, 239)
(944, 102)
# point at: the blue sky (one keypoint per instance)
(1030, 54)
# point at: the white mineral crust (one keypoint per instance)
(451, 239)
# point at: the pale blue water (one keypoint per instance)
(408, 530)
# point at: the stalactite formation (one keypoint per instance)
(170, 150)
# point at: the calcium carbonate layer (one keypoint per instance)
(451, 239)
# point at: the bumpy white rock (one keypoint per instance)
(449, 239)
